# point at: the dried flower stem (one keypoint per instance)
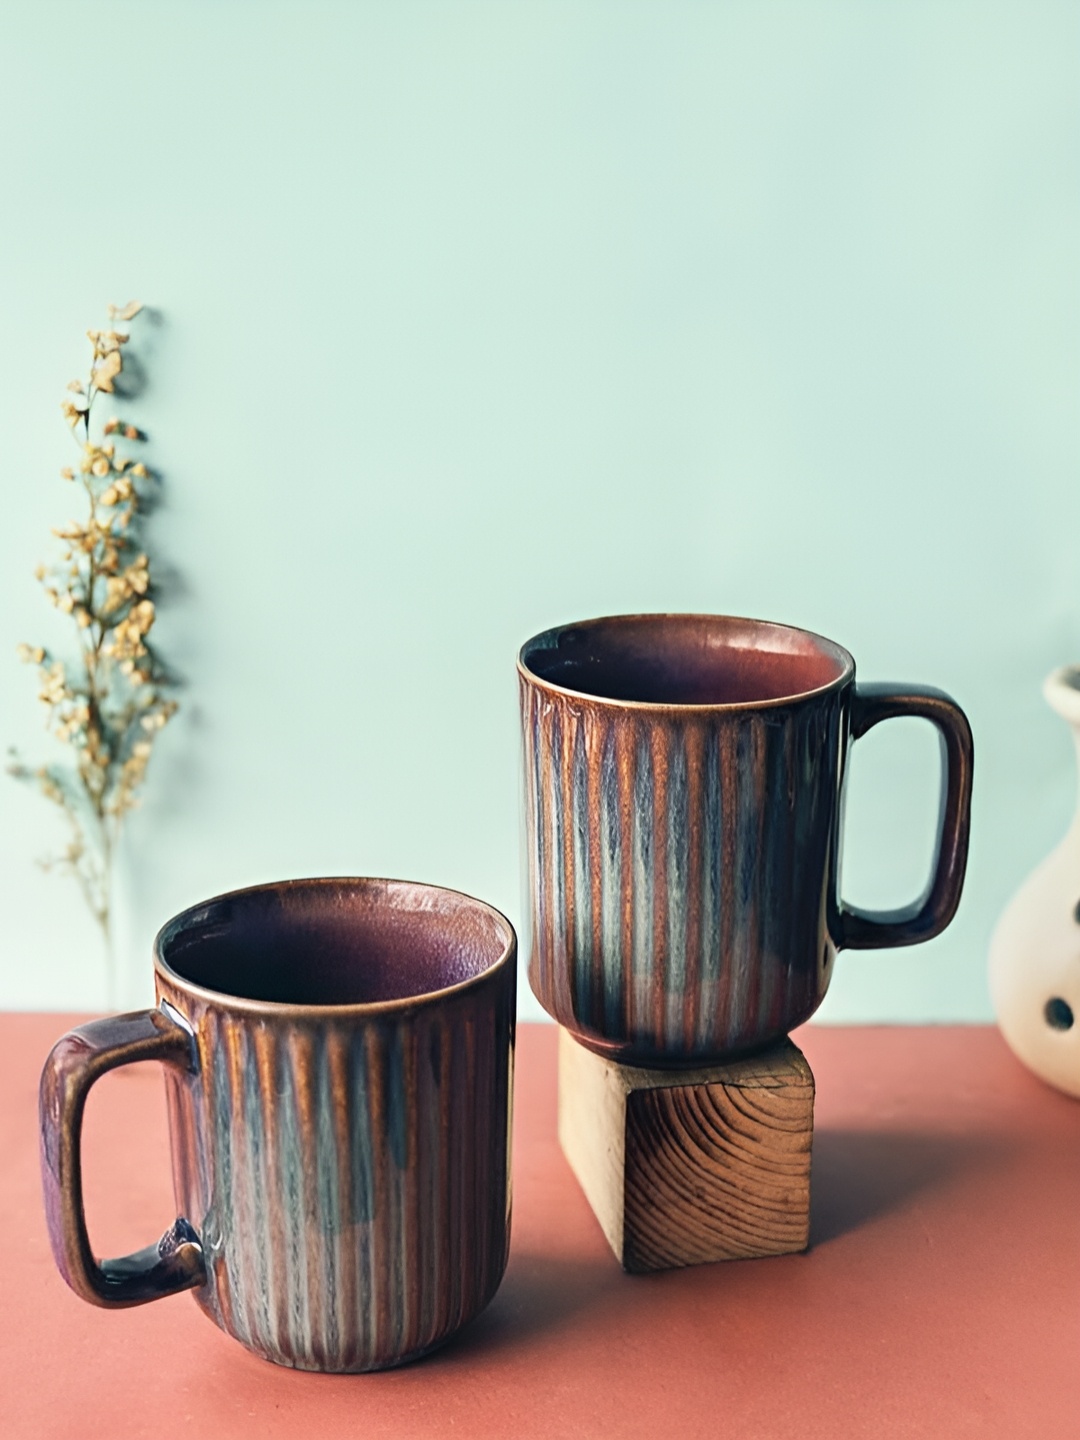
(110, 706)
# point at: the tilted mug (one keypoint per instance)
(684, 780)
(338, 1061)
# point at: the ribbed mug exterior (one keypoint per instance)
(680, 868)
(338, 1057)
(684, 780)
(349, 1178)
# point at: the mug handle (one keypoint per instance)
(78, 1059)
(929, 915)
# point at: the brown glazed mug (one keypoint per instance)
(684, 780)
(338, 1059)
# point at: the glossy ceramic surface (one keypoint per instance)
(683, 795)
(339, 1071)
(1035, 947)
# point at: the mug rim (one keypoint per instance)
(530, 676)
(284, 1009)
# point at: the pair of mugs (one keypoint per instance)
(339, 1053)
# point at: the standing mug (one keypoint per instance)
(684, 781)
(338, 1064)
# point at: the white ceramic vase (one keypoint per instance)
(1035, 950)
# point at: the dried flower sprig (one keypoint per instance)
(110, 705)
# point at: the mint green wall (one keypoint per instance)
(481, 317)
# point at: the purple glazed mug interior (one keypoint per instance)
(333, 942)
(686, 660)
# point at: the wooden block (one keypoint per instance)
(687, 1166)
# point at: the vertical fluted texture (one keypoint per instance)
(349, 1180)
(679, 869)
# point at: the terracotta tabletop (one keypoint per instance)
(940, 1296)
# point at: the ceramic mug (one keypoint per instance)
(684, 780)
(338, 1061)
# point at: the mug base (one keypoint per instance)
(312, 1366)
(645, 1056)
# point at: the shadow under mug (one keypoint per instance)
(684, 779)
(338, 1058)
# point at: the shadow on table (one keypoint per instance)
(540, 1293)
(859, 1175)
